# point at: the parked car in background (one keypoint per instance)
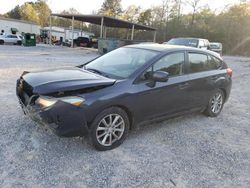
(216, 47)
(192, 42)
(10, 39)
(112, 94)
(82, 42)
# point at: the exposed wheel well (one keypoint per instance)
(224, 92)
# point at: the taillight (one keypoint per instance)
(229, 72)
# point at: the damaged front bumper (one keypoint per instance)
(62, 118)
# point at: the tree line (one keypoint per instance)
(230, 26)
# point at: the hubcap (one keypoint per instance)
(216, 103)
(110, 129)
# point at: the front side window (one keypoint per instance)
(173, 64)
(197, 62)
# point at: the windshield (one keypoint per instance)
(184, 42)
(215, 45)
(120, 63)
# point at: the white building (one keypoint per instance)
(66, 33)
(8, 24)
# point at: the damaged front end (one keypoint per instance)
(64, 115)
(54, 98)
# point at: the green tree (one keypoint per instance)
(131, 13)
(43, 12)
(145, 17)
(14, 13)
(111, 8)
(28, 12)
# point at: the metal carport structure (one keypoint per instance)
(104, 21)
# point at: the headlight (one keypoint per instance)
(49, 101)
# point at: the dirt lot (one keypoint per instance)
(190, 151)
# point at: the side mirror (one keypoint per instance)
(160, 76)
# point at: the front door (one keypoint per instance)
(163, 98)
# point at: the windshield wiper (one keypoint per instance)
(97, 72)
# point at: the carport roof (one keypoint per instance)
(107, 21)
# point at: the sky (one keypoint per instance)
(87, 6)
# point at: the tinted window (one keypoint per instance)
(147, 74)
(214, 63)
(173, 64)
(198, 62)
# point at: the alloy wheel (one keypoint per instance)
(216, 103)
(110, 129)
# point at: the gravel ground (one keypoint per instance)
(189, 151)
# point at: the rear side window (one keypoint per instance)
(214, 63)
(197, 62)
(172, 63)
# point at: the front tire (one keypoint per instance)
(215, 103)
(109, 129)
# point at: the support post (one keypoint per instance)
(81, 28)
(72, 41)
(50, 29)
(105, 32)
(154, 36)
(101, 32)
(132, 34)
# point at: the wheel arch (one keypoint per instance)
(224, 92)
(123, 107)
(129, 113)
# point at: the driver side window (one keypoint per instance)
(172, 63)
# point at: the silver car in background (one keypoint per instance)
(10, 39)
(216, 47)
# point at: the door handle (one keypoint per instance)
(184, 85)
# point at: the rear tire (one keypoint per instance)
(109, 129)
(215, 104)
(1, 42)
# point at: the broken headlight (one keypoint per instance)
(45, 102)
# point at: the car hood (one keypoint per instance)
(63, 80)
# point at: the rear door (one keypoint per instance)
(197, 78)
(204, 71)
(8, 39)
(14, 39)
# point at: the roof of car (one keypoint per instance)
(160, 47)
(168, 48)
(189, 38)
